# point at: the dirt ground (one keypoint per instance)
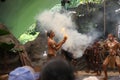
(80, 75)
(112, 75)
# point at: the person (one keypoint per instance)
(23, 73)
(97, 58)
(88, 54)
(57, 69)
(112, 58)
(53, 47)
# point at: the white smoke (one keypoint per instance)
(76, 42)
(91, 78)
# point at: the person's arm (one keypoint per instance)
(59, 45)
(106, 46)
(55, 46)
(118, 51)
(62, 42)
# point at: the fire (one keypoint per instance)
(63, 31)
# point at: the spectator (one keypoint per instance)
(23, 73)
(57, 69)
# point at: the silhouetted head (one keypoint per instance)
(57, 69)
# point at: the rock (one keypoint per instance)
(36, 48)
(12, 55)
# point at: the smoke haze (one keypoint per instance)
(76, 42)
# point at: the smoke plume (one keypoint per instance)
(62, 24)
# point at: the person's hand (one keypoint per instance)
(64, 40)
(65, 37)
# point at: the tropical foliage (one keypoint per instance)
(75, 3)
(29, 35)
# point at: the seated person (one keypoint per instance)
(23, 73)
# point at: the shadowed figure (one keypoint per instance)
(57, 69)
